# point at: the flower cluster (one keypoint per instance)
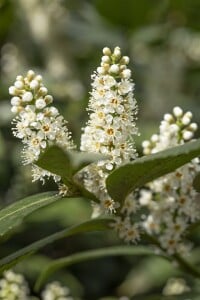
(125, 225)
(175, 129)
(111, 124)
(163, 208)
(55, 291)
(13, 287)
(38, 124)
(171, 200)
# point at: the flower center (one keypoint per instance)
(110, 131)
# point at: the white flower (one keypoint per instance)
(151, 224)
(130, 205)
(111, 124)
(172, 202)
(55, 291)
(13, 286)
(112, 118)
(37, 124)
(145, 197)
(170, 243)
(127, 231)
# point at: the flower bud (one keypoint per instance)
(19, 84)
(107, 51)
(13, 90)
(105, 59)
(34, 84)
(30, 75)
(27, 97)
(187, 135)
(40, 103)
(114, 69)
(193, 127)
(125, 60)
(43, 91)
(178, 112)
(168, 118)
(117, 53)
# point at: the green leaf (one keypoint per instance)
(92, 225)
(90, 255)
(196, 183)
(126, 178)
(56, 161)
(12, 215)
(66, 163)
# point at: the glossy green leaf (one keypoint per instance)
(126, 178)
(92, 225)
(13, 215)
(196, 183)
(91, 255)
(66, 163)
(56, 161)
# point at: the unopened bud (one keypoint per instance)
(105, 59)
(107, 51)
(125, 60)
(30, 75)
(27, 97)
(114, 69)
(117, 53)
(187, 135)
(178, 112)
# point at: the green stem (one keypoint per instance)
(186, 266)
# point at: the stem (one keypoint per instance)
(83, 191)
(186, 266)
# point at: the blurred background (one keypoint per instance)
(63, 40)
